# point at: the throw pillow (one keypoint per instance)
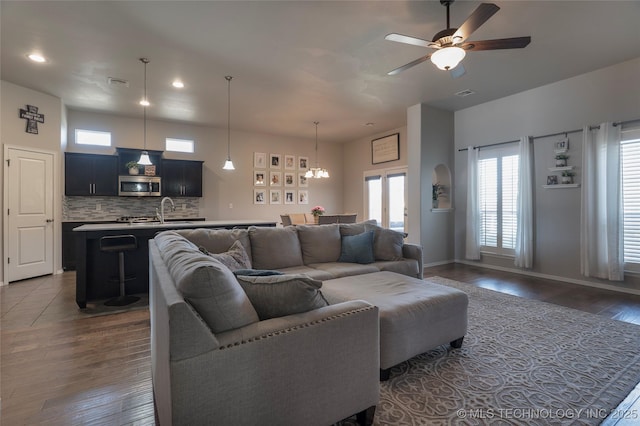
(281, 295)
(387, 243)
(234, 258)
(357, 248)
(256, 272)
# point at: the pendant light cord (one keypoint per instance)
(228, 77)
(316, 123)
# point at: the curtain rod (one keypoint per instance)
(617, 123)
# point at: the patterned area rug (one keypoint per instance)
(523, 362)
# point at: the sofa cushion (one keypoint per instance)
(319, 243)
(355, 228)
(234, 258)
(311, 272)
(217, 240)
(281, 295)
(275, 248)
(387, 243)
(208, 285)
(407, 267)
(357, 248)
(256, 272)
(343, 269)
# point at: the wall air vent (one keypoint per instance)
(465, 92)
(114, 81)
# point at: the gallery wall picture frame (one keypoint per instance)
(289, 162)
(562, 146)
(259, 178)
(552, 180)
(289, 196)
(275, 161)
(303, 181)
(303, 196)
(275, 196)
(303, 162)
(289, 179)
(385, 149)
(259, 196)
(275, 178)
(260, 160)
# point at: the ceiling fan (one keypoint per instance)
(450, 43)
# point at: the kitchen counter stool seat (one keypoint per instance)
(119, 244)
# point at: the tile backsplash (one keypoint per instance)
(110, 208)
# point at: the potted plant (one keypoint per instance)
(567, 177)
(133, 167)
(317, 211)
(561, 160)
(437, 189)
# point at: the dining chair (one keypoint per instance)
(286, 220)
(348, 218)
(326, 219)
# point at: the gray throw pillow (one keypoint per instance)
(355, 228)
(357, 248)
(234, 258)
(281, 295)
(387, 243)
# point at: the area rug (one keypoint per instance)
(523, 362)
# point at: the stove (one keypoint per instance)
(137, 219)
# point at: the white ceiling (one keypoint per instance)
(296, 62)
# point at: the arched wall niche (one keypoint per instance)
(441, 176)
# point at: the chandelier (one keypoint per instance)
(316, 172)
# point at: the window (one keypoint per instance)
(179, 145)
(498, 173)
(385, 194)
(93, 137)
(630, 159)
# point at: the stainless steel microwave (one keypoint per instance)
(139, 186)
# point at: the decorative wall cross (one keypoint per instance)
(33, 118)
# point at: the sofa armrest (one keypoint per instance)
(313, 368)
(414, 251)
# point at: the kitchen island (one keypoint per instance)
(96, 270)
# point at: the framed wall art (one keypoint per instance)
(302, 180)
(274, 161)
(275, 196)
(259, 160)
(259, 196)
(275, 178)
(290, 162)
(289, 179)
(289, 196)
(303, 196)
(303, 163)
(385, 149)
(258, 178)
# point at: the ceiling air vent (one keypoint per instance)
(465, 92)
(118, 82)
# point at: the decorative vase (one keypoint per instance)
(316, 219)
(566, 179)
(134, 171)
(434, 203)
(561, 162)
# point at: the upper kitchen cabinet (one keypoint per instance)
(90, 174)
(181, 178)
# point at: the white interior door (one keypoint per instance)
(30, 213)
(385, 197)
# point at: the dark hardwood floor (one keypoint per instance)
(62, 366)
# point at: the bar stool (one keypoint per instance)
(119, 244)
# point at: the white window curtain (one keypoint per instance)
(472, 250)
(524, 233)
(601, 239)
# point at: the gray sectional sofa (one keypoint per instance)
(216, 361)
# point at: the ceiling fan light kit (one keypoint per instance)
(450, 43)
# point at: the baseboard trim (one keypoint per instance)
(1, 283)
(553, 277)
(443, 262)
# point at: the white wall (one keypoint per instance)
(609, 94)
(48, 138)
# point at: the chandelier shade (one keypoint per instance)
(448, 58)
(316, 172)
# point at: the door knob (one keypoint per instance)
(49, 220)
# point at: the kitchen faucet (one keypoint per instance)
(160, 215)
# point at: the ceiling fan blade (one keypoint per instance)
(410, 40)
(409, 65)
(500, 43)
(474, 21)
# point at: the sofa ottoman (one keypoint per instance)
(415, 315)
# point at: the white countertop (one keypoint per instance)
(172, 225)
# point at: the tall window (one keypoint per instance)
(385, 195)
(498, 175)
(630, 158)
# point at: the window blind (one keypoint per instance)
(630, 157)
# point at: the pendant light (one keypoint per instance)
(144, 156)
(316, 172)
(228, 165)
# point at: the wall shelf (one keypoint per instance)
(562, 185)
(442, 210)
(560, 169)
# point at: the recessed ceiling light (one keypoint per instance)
(178, 84)
(37, 58)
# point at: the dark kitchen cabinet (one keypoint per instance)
(181, 178)
(90, 174)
